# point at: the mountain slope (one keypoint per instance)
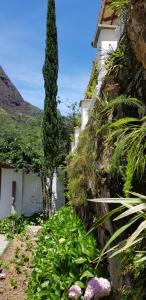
(11, 100)
(20, 122)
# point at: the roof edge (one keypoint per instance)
(101, 26)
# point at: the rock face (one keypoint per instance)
(11, 100)
(137, 29)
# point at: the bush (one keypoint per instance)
(63, 257)
(14, 224)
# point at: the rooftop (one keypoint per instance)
(107, 19)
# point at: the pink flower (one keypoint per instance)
(74, 292)
(98, 287)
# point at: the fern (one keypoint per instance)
(123, 122)
(119, 6)
(129, 101)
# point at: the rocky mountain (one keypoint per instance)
(11, 100)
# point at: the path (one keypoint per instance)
(18, 265)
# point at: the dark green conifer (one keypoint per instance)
(50, 126)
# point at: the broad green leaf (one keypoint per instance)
(80, 284)
(45, 284)
(86, 274)
(80, 260)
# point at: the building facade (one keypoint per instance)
(22, 193)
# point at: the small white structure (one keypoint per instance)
(106, 38)
(22, 192)
(74, 144)
(85, 106)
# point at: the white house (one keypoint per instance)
(107, 35)
(23, 192)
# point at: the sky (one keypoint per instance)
(22, 47)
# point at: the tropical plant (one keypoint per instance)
(119, 6)
(63, 257)
(128, 135)
(118, 60)
(134, 210)
(50, 120)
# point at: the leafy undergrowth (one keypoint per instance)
(63, 257)
(16, 224)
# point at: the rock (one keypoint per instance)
(35, 230)
(2, 276)
(11, 100)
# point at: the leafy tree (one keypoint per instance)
(50, 122)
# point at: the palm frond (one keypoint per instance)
(129, 101)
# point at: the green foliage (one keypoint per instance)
(129, 144)
(13, 283)
(63, 257)
(92, 82)
(135, 211)
(81, 167)
(14, 224)
(21, 141)
(120, 6)
(50, 72)
(135, 271)
(20, 156)
(66, 125)
(127, 135)
(118, 60)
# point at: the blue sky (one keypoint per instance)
(22, 44)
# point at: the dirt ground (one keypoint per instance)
(17, 266)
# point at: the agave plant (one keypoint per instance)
(135, 209)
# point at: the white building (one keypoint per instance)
(23, 192)
(107, 35)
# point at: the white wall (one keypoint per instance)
(7, 176)
(58, 189)
(76, 138)
(32, 194)
(28, 192)
(85, 107)
(107, 41)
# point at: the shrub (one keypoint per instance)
(63, 257)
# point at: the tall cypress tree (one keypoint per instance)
(50, 126)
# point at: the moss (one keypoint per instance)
(92, 82)
(82, 167)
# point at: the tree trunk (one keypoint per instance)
(47, 181)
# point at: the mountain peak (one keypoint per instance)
(11, 100)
